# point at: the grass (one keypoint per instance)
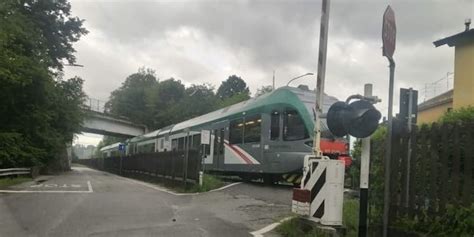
(209, 182)
(350, 216)
(299, 227)
(7, 182)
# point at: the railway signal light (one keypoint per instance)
(358, 119)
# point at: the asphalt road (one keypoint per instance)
(86, 202)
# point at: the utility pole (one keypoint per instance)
(323, 44)
(273, 83)
(364, 176)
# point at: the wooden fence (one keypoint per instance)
(165, 164)
(440, 171)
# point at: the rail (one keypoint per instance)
(15, 171)
(95, 105)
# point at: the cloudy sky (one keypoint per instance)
(206, 41)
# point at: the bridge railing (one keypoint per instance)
(95, 105)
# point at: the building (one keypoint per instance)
(462, 94)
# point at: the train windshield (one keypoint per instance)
(293, 128)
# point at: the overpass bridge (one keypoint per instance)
(98, 121)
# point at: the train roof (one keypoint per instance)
(283, 95)
(111, 146)
(303, 100)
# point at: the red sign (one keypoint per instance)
(389, 32)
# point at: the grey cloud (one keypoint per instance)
(283, 35)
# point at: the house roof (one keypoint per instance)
(444, 98)
(459, 38)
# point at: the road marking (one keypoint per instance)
(268, 228)
(225, 187)
(50, 191)
(56, 185)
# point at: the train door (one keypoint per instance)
(218, 146)
(251, 150)
(273, 144)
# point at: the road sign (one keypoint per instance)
(389, 32)
(205, 136)
(121, 147)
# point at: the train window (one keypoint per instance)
(252, 129)
(293, 126)
(236, 131)
(181, 144)
(196, 141)
(174, 144)
(275, 125)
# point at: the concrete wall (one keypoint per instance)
(464, 75)
(105, 125)
(433, 114)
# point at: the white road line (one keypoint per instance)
(89, 185)
(268, 228)
(50, 191)
(225, 187)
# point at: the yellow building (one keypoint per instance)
(462, 94)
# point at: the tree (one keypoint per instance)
(263, 90)
(233, 100)
(130, 100)
(232, 86)
(198, 100)
(162, 99)
(39, 114)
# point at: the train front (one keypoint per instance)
(331, 146)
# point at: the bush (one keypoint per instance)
(465, 114)
(16, 151)
(457, 221)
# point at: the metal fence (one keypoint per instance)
(440, 172)
(95, 105)
(170, 165)
(33, 172)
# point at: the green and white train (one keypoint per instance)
(266, 136)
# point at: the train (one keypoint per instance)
(264, 137)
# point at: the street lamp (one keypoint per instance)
(307, 74)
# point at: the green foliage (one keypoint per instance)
(232, 86)
(233, 100)
(350, 216)
(376, 177)
(16, 151)
(465, 114)
(209, 182)
(353, 173)
(197, 100)
(7, 182)
(130, 100)
(145, 100)
(38, 112)
(457, 221)
(296, 227)
(263, 90)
